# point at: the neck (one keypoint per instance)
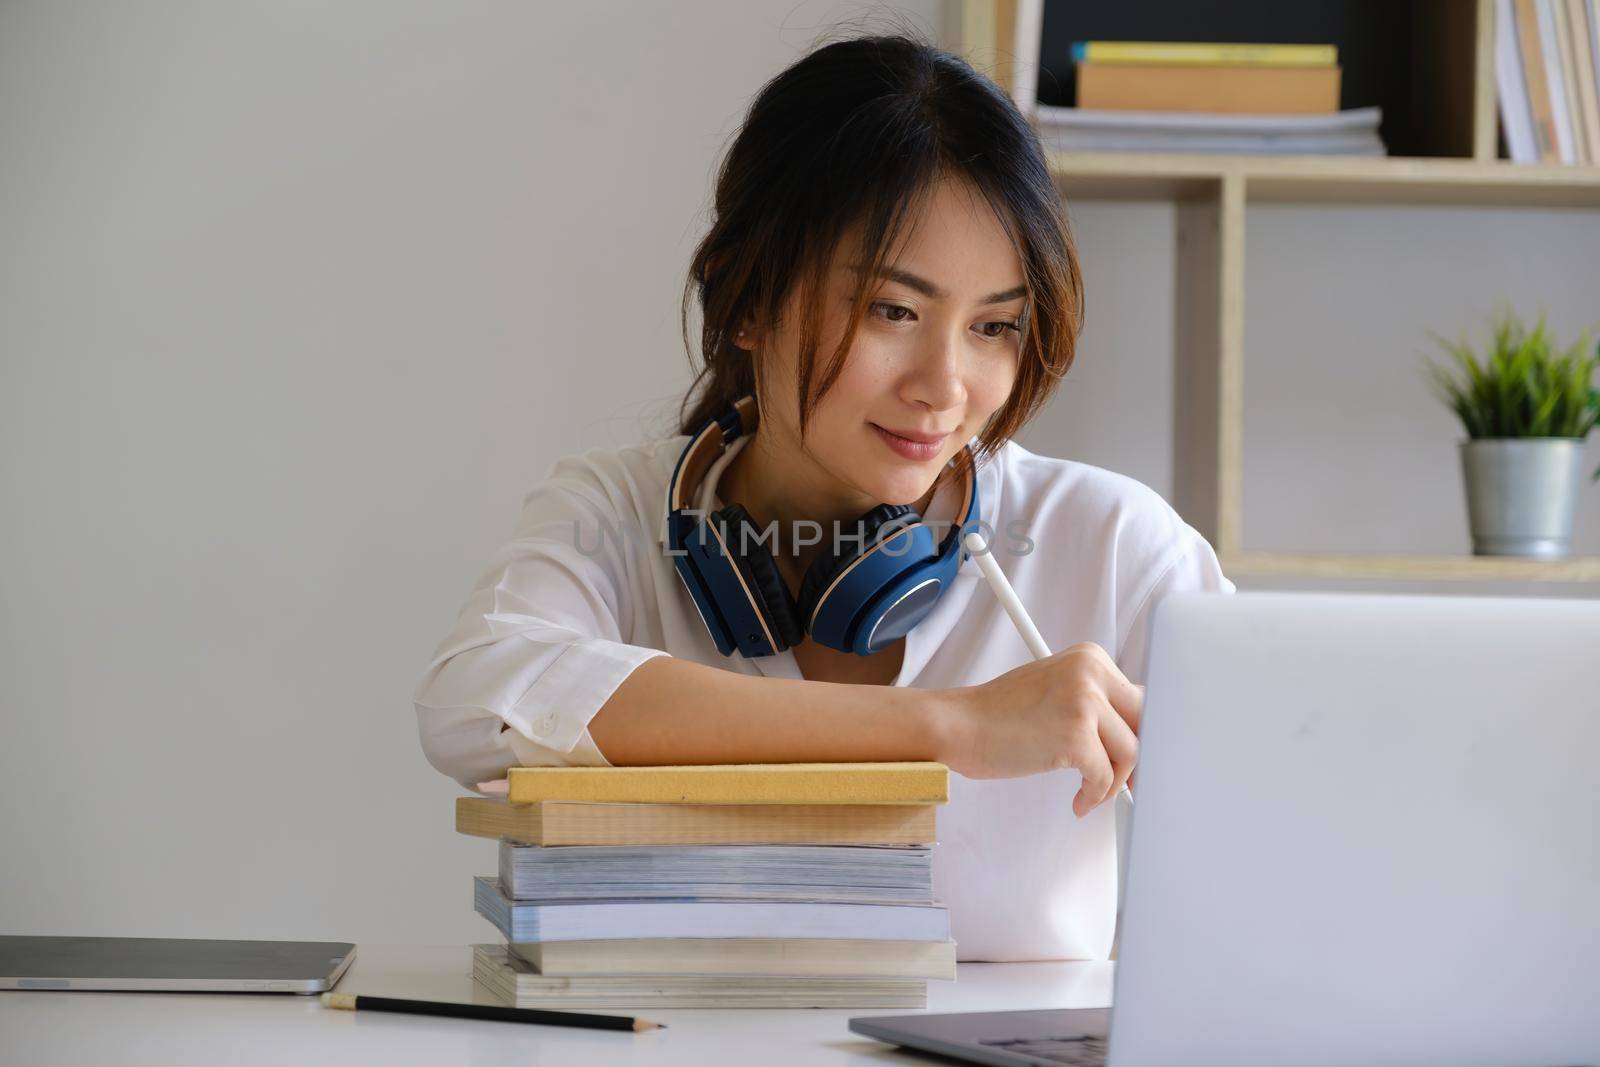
(778, 486)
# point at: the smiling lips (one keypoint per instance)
(912, 445)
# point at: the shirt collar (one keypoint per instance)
(944, 505)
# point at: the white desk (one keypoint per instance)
(255, 1028)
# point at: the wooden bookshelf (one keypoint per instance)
(1362, 566)
(1325, 179)
(1457, 164)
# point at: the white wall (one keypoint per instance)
(297, 300)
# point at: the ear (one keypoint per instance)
(746, 336)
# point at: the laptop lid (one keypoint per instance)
(177, 964)
(1367, 830)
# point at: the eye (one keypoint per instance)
(897, 313)
(1004, 326)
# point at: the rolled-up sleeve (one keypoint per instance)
(1192, 566)
(538, 648)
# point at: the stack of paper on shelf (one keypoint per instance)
(1344, 133)
(1143, 96)
(784, 885)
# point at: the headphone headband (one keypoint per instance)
(740, 418)
(710, 441)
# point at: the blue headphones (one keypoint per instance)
(860, 599)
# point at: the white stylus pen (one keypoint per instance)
(1123, 803)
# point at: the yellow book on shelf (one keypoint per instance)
(1223, 90)
(1180, 53)
(736, 783)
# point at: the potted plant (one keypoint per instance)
(1527, 408)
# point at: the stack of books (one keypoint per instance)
(1142, 96)
(764, 886)
(1546, 58)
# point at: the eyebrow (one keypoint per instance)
(932, 291)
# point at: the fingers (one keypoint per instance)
(1106, 761)
(1098, 774)
(1125, 697)
(1122, 746)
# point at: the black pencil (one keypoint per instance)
(355, 1002)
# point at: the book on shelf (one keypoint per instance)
(749, 783)
(1582, 148)
(833, 956)
(1584, 43)
(857, 873)
(1258, 90)
(1547, 79)
(1205, 53)
(521, 920)
(516, 983)
(1560, 101)
(1350, 132)
(1247, 79)
(560, 822)
(1525, 120)
(1534, 78)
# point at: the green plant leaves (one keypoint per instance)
(1522, 386)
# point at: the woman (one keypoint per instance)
(889, 292)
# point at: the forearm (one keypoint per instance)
(676, 711)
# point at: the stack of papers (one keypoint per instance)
(844, 873)
(790, 885)
(1345, 133)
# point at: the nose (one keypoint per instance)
(937, 381)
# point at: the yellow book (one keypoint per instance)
(1179, 53)
(1223, 90)
(736, 783)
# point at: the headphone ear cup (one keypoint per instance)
(828, 566)
(760, 572)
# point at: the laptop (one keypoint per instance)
(172, 964)
(1366, 830)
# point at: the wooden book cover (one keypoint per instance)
(582, 823)
(736, 783)
(1222, 90)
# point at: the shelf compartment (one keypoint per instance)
(1427, 63)
(1256, 564)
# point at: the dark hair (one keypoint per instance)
(861, 130)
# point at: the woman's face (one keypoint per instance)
(934, 358)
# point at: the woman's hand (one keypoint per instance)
(1074, 709)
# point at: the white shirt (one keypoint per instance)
(564, 612)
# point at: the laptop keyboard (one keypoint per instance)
(1080, 1050)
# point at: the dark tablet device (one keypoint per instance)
(172, 964)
